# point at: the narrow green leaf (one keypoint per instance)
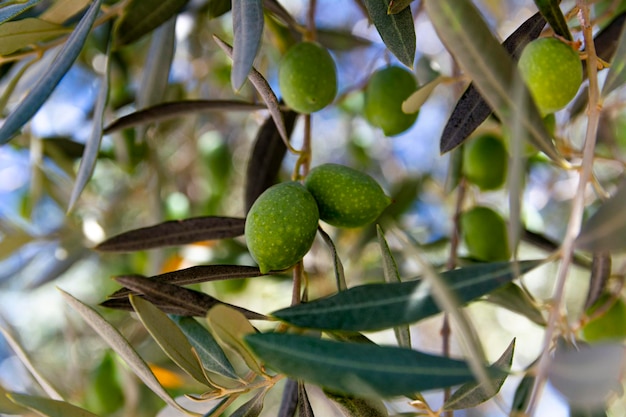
(121, 346)
(472, 394)
(554, 16)
(355, 368)
(396, 6)
(495, 75)
(48, 407)
(171, 339)
(617, 72)
(175, 232)
(21, 33)
(248, 28)
(253, 407)
(513, 298)
(523, 393)
(9, 407)
(340, 276)
(62, 10)
(396, 30)
(382, 306)
(141, 17)
(46, 84)
(358, 407)
(211, 354)
(9, 11)
(605, 230)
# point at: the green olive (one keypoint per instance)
(346, 197)
(485, 234)
(281, 226)
(485, 161)
(552, 71)
(307, 77)
(386, 90)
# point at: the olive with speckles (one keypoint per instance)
(346, 197)
(281, 226)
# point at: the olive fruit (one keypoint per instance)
(552, 72)
(346, 197)
(307, 77)
(611, 325)
(386, 89)
(281, 226)
(485, 161)
(485, 234)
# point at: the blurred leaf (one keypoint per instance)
(66, 147)
(170, 338)
(523, 393)
(340, 276)
(92, 146)
(290, 398)
(42, 89)
(61, 10)
(584, 411)
(248, 30)
(356, 368)
(340, 40)
(277, 10)
(175, 232)
(472, 109)
(472, 394)
(198, 274)
(216, 8)
(48, 407)
(104, 393)
(253, 407)
(605, 230)
(9, 11)
(396, 6)
(588, 375)
(121, 346)
(549, 245)
(211, 354)
(418, 98)
(9, 88)
(230, 327)
(396, 30)
(7, 406)
(358, 407)
(141, 17)
(304, 405)
(14, 241)
(390, 270)
(166, 111)
(600, 274)
(381, 306)
(267, 156)
(513, 298)
(22, 33)
(617, 72)
(554, 16)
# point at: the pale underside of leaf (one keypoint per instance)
(248, 28)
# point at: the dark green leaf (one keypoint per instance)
(340, 277)
(141, 17)
(216, 8)
(554, 16)
(211, 354)
(289, 400)
(46, 84)
(513, 298)
(48, 407)
(248, 28)
(600, 273)
(381, 306)
(357, 369)
(9, 11)
(396, 30)
(253, 407)
(175, 232)
(166, 111)
(267, 155)
(358, 407)
(472, 394)
(606, 229)
(396, 6)
(523, 393)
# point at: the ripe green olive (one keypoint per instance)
(386, 90)
(552, 71)
(485, 234)
(609, 326)
(307, 77)
(346, 197)
(281, 226)
(485, 161)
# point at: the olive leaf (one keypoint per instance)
(141, 17)
(248, 28)
(554, 16)
(396, 30)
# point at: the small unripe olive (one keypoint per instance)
(307, 77)
(281, 226)
(485, 234)
(485, 161)
(346, 197)
(386, 90)
(552, 71)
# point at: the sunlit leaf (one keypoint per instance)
(46, 84)
(48, 407)
(382, 306)
(355, 368)
(211, 354)
(61, 10)
(169, 336)
(396, 6)
(513, 298)
(418, 98)
(141, 17)
(175, 232)
(358, 407)
(600, 274)
(396, 30)
(21, 33)
(230, 327)
(472, 394)
(9, 11)
(253, 407)
(7, 406)
(340, 276)
(554, 16)
(472, 109)
(605, 230)
(248, 28)
(121, 346)
(617, 72)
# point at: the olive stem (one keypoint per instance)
(311, 33)
(578, 205)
